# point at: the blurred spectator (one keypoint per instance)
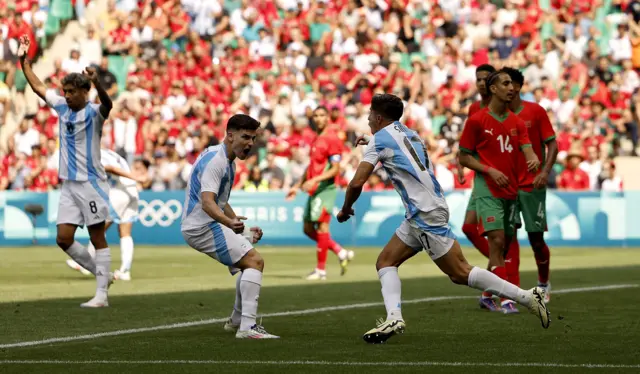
(572, 178)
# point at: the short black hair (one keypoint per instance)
(491, 79)
(77, 80)
(515, 75)
(321, 107)
(242, 122)
(486, 67)
(389, 106)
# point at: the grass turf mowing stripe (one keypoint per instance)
(278, 314)
(320, 363)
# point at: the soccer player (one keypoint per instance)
(532, 193)
(487, 147)
(123, 203)
(319, 181)
(209, 224)
(470, 225)
(404, 157)
(84, 198)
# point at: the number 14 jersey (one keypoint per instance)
(404, 158)
(496, 142)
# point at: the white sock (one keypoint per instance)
(92, 250)
(391, 290)
(236, 315)
(249, 292)
(321, 272)
(484, 280)
(342, 254)
(80, 255)
(126, 253)
(103, 267)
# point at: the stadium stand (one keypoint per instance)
(178, 70)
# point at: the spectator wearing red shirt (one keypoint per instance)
(573, 178)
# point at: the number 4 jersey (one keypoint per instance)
(404, 157)
(496, 142)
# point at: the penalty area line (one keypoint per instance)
(279, 314)
(321, 363)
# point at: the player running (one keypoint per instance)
(319, 181)
(470, 225)
(84, 198)
(487, 147)
(532, 193)
(403, 156)
(210, 225)
(123, 203)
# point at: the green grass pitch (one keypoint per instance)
(446, 331)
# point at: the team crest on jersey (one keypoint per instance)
(527, 124)
(514, 132)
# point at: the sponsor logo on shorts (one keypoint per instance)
(158, 212)
(491, 219)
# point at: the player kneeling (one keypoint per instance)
(404, 157)
(210, 226)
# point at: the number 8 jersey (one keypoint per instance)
(404, 157)
(496, 142)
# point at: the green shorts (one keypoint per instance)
(319, 207)
(496, 214)
(533, 206)
(471, 206)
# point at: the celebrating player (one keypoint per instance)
(532, 193)
(470, 225)
(404, 157)
(319, 181)
(84, 199)
(487, 147)
(123, 200)
(210, 225)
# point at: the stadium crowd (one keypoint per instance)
(178, 69)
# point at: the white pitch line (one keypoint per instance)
(278, 314)
(320, 363)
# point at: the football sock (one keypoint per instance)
(92, 250)
(126, 252)
(391, 291)
(485, 280)
(333, 245)
(543, 258)
(236, 315)
(500, 272)
(512, 263)
(323, 249)
(80, 255)
(103, 267)
(250, 284)
(478, 241)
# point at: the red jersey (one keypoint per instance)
(495, 141)
(574, 180)
(475, 108)
(326, 148)
(540, 132)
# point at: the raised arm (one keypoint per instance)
(105, 100)
(34, 82)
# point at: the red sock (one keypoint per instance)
(333, 246)
(543, 258)
(323, 248)
(512, 263)
(478, 241)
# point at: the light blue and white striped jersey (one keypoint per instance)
(404, 157)
(212, 172)
(111, 158)
(80, 134)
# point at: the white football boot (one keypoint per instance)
(384, 331)
(255, 332)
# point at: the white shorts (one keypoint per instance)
(84, 203)
(219, 242)
(428, 231)
(125, 206)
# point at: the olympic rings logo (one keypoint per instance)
(158, 212)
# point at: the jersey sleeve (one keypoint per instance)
(55, 101)
(335, 150)
(523, 134)
(469, 137)
(371, 155)
(546, 129)
(96, 108)
(212, 177)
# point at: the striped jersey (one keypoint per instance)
(80, 134)
(111, 158)
(212, 172)
(404, 158)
